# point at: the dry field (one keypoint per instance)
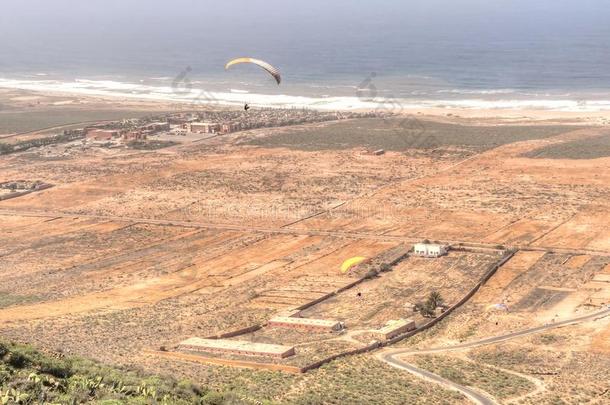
(567, 364)
(133, 250)
(533, 288)
(554, 367)
(497, 196)
(390, 295)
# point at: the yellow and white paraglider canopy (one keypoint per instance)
(270, 69)
(349, 263)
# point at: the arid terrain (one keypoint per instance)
(131, 252)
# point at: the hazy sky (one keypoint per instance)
(66, 22)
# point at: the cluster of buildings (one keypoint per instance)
(126, 135)
(222, 122)
(211, 127)
(292, 320)
(22, 185)
(248, 348)
(209, 122)
(229, 346)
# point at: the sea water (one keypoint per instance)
(543, 54)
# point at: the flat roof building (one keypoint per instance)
(230, 127)
(429, 249)
(204, 127)
(394, 328)
(238, 347)
(133, 136)
(101, 134)
(314, 325)
(156, 126)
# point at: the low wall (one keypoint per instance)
(25, 192)
(490, 272)
(226, 362)
(474, 249)
(346, 287)
(508, 254)
(237, 332)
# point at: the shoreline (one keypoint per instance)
(21, 100)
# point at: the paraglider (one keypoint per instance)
(349, 263)
(270, 69)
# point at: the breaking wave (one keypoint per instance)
(480, 99)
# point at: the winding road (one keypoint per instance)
(473, 395)
(391, 356)
(501, 338)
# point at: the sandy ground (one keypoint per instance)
(251, 228)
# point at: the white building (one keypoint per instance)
(429, 249)
(203, 127)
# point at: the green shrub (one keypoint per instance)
(56, 367)
(185, 388)
(213, 398)
(18, 359)
(3, 350)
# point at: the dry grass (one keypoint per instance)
(500, 384)
(405, 133)
(593, 148)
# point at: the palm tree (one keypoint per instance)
(435, 299)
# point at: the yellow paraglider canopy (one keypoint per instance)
(349, 263)
(273, 71)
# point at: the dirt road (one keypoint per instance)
(290, 231)
(391, 356)
(501, 338)
(473, 395)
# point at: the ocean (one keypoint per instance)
(542, 54)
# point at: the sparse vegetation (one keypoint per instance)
(69, 136)
(427, 309)
(522, 359)
(8, 299)
(31, 120)
(151, 144)
(392, 134)
(549, 339)
(364, 380)
(500, 384)
(588, 148)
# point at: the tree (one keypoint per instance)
(435, 299)
(427, 308)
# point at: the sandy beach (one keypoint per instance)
(45, 109)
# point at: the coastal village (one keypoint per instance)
(170, 127)
(161, 130)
